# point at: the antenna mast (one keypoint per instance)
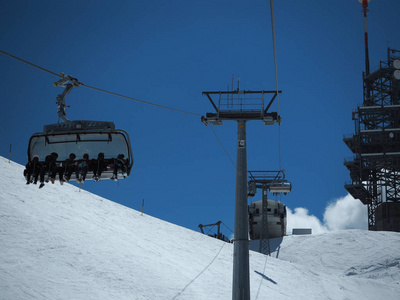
(365, 10)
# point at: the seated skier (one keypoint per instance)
(119, 164)
(32, 168)
(98, 166)
(69, 166)
(49, 165)
(57, 169)
(81, 168)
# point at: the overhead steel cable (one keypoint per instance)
(223, 147)
(98, 89)
(29, 63)
(194, 279)
(274, 44)
(277, 92)
(263, 272)
(138, 100)
(227, 227)
(276, 78)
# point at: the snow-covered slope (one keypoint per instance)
(59, 243)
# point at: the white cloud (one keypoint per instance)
(346, 213)
(342, 213)
(301, 219)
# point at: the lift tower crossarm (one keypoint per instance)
(241, 105)
(240, 92)
(266, 177)
(272, 100)
(209, 98)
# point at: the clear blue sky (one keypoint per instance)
(168, 52)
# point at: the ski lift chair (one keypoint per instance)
(280, 186)
(80, 137)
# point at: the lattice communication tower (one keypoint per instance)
(375, 166)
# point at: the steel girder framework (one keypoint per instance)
(375, 167)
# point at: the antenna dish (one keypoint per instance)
(396, 64)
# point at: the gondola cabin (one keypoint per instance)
(80, 137)
(276, 217)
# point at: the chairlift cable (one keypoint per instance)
(263, 272)
(223, 147)
(276, 78)
(198, 275)
(209, 230)
(29, 63)
(98, 89)
(141, 101)
(227, 227)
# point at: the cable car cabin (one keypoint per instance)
(275, 215)
(80, 137)
(281, 186)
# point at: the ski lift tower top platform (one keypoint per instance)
(274, 181)
(241, 105)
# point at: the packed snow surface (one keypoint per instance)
(62, 243)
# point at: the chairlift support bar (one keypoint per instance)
(63, 82)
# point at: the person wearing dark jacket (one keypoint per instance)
(81, 168)
(98, 166)
(32, 168)
(119, 164)
(57, 169)
(69, 166)
(49, 165)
